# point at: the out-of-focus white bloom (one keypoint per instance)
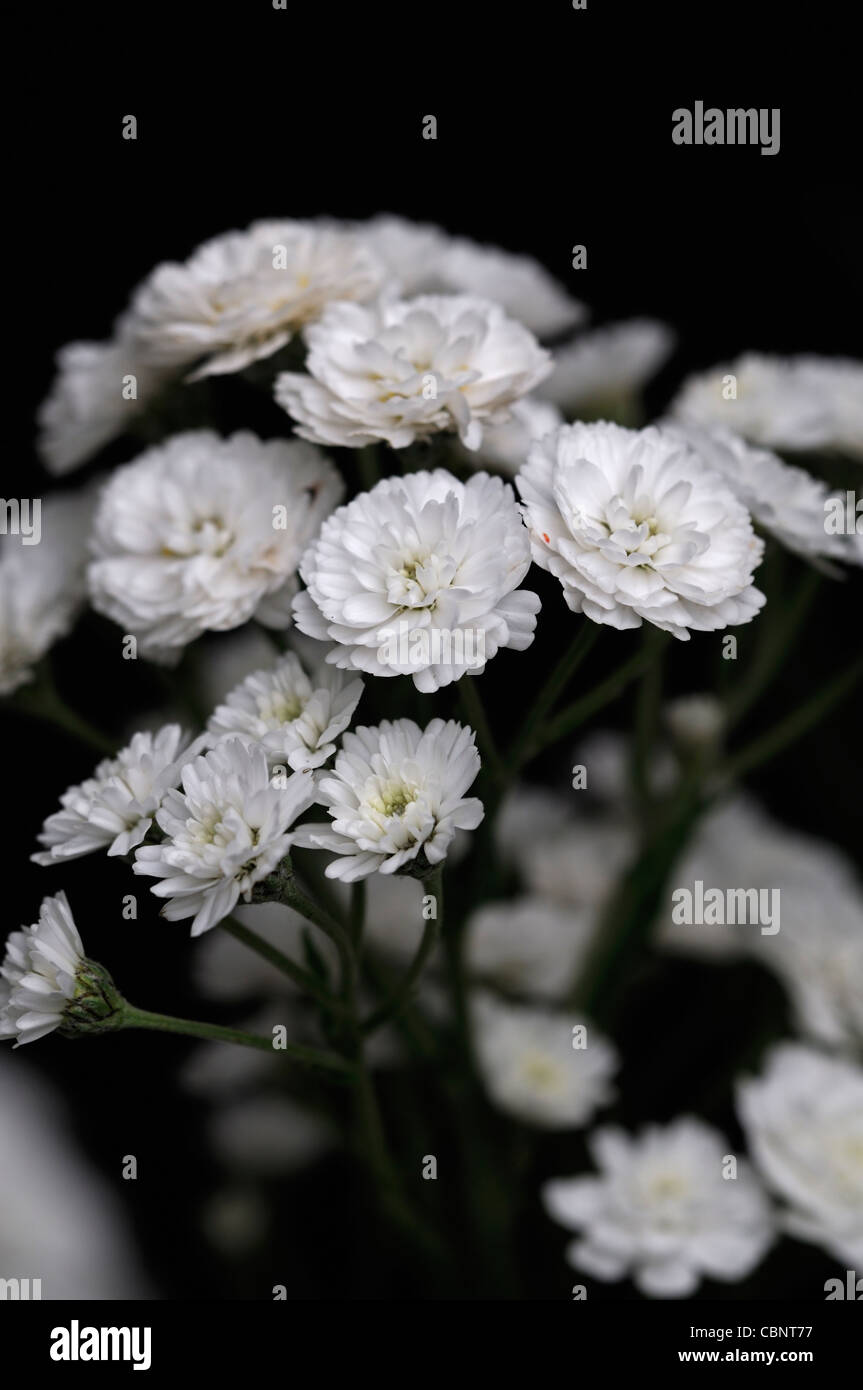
(786, 501)
(268, 1135)
(242, 296)
(527, 816)
(114, 809)
(417, 577)
(39, 973)
(507, 446)
(528, 946)
(42, 587)
(424, 259)
(605, 369)
(228, 828)
(818, 951)
(662, 1210)
(59, 1222)
(803, 1119)
(401, 370)
(606, 757)
(203, 533)
(579, 866)
(786, 403)
(636, 527)
(293, 717)
(695, 720)
(92, 400)
(532, 1068)
(395, 790)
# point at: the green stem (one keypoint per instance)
(282, 886)
(302, 978)
(474, 712)
(775, 646)
(358, 913)
(401, 997)
(216, 1032)
(41, 700)
(796, 724)
(581, 710)
(551, 691)
(368, 467)
(647, 716)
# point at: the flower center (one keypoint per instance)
(542, 1072)
(282, 707)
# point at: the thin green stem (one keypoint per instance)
(368, 466)
(357, 921)
(475, 714)
(647, 716)
(551, 692)
(805, 717)
(302, 978)
(569, 719)
(216, 1032)
(774, 647)
(42, 700)
(401, 997)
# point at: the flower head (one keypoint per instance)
(662, 1210)
(225, 831)
(528, 945)
(46, 982)
(114, 809)
(803, 1119)
(201, 533)
(786, 403)
(532, 1068)
(602, 371)
(786, 501)
(242, 296)
(294, 717)
(401, 370)
(396, 798)
(636, 526)
(42, 587)
(417, 576)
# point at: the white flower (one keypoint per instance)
(394, 791)
(786, 501)
(528, 946)
(42, 587)
(417, 576)
(268, 1135)
(401, 370)
(203, 533)
(242, 296)
(695, 720)
(507, 446)
(114, 808)
(227, 829)
(579, 865)
(636, 527)
(38, 974)
(294, 718)
(793, 403)
(803, 1119)
(662, 1211)
(532, 1068)
(89, 403)
(604, 369)
(425, 259)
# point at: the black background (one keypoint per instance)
(554, 128)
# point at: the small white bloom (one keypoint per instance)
(38, 974)
(401, 370)
(507, 446)
(114, 809)
(695, 720)
(636, 527)
(242, 296)
(528, 946)
(786, 403)
(803, 1119)
(532, 1069)
(786, 501)
(226, 830)
(268, 1135)
(417, 577)
(662, 1211)
(91, 402)
(202, 533)
(42, 587)
(395, 790)
(293, 717)
(605, 369)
